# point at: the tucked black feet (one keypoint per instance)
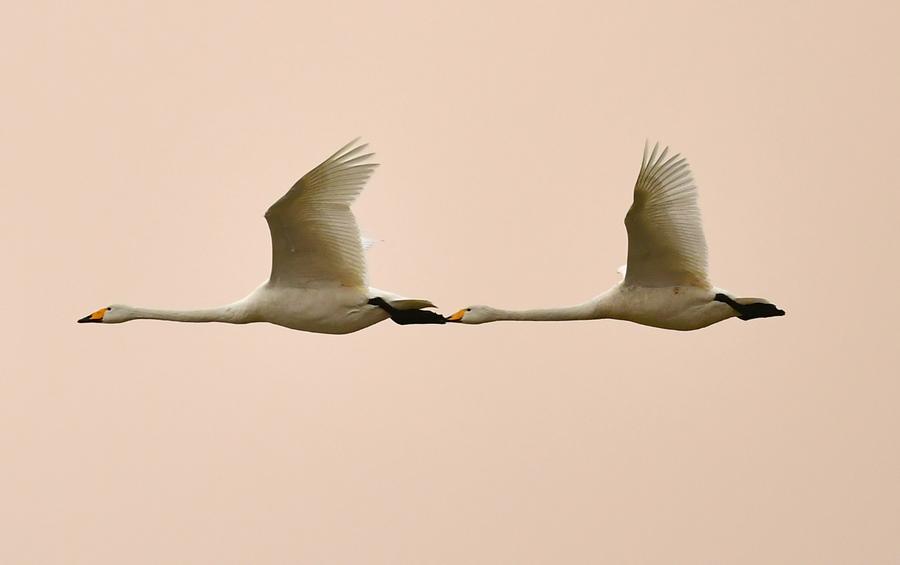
(406, 317)
(750, 311)
(759, 310)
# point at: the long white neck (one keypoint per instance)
(587, 311)
(230, 314)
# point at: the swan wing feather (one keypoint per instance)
(666, 245)
(314, 234)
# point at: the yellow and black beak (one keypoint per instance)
(96, 317)
(457, 316)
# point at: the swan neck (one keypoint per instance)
(580, 312)
(227, 314)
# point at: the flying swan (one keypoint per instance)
(665, 284)
(318, 280)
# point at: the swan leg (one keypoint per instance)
(407, 317)
(750, 311)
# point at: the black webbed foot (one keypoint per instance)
(407, 317)
(759, 310)
(750, 311)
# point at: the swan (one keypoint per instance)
(318, 278)
(665, 283)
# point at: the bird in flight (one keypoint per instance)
(665, 282)
(318, 279)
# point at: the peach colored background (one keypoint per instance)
(141, 146)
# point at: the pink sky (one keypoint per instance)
(141, 146)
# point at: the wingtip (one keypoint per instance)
(353, 147)
(357, 141)
(651, 159)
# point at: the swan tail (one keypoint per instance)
(400, 302)
(411, 304)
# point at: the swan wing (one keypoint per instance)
(314, 233)
(666, 246)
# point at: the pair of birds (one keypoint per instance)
(318, 280)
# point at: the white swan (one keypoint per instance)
(665, 283)
(318, 279)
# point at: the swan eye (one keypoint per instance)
(468, 309)
(108, 308)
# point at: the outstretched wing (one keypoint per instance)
(314, 233)
(666, 246)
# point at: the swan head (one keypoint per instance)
(114, 314)
(473, 315)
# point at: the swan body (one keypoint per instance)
(318, 282)
(671, 308)
(328, 310)
(665, 283)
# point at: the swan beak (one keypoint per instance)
(96, 317)
(457, 316)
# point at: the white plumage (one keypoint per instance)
(666, 246)
(314, 233)
(318, 279)
(665, 282)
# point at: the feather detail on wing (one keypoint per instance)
(666, 246)
(314, 233)
(368, 243)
